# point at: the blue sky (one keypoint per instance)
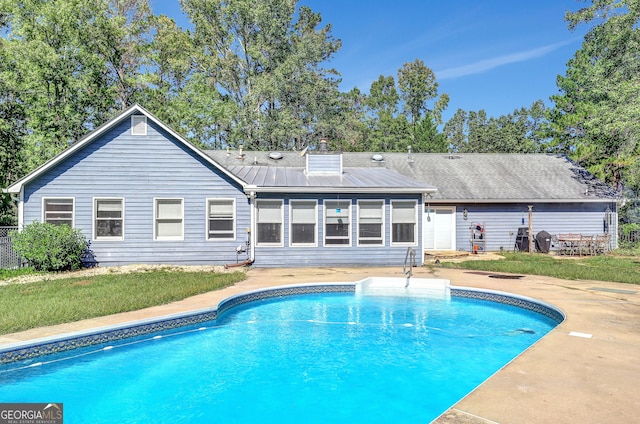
(496, 55)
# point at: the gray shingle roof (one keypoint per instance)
(461, 177)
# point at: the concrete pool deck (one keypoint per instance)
(567, 377)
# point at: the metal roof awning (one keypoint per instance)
(265, 179)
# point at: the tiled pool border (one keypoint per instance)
(27, 350)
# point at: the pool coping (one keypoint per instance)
(22, 351)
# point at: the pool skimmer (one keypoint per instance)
(583, 335)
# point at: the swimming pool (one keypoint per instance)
(325, 357)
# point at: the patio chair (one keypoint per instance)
(601, 244)
(586, 246)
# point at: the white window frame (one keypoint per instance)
(156, 200)
(281, 222)
(325, 219)
(315, 222)
(73, 209)
(208, 218)
(415, 224)
(138, 122)
(382, 224)
(95, 218)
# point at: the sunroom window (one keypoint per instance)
(303, 222)
(371, 222)
(269, 221)
(336, 222)
(403, 222)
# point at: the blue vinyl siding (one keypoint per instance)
(352, 255)
(503, 220)
(139, 169)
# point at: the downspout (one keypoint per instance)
(252, 223)
(20, 200)
(422, 227)
(251, 235)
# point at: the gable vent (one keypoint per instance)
(138, 125)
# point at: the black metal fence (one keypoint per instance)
(9, 258)
(629, 239)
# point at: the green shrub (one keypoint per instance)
(50, 247)
(629, 236)
(629, 228)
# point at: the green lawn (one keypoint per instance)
(49, 302)
(621, 269)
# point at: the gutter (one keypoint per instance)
(340, 190)
(490, 201)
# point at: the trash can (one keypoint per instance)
(543, 242)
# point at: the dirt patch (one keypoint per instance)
(89, 272)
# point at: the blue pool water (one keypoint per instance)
(335, 358)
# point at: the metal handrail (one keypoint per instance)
(410, 257)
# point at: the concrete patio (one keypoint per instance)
(587, 370)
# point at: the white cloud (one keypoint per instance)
(488, 64)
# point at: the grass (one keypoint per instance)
(10, 273)
(50, 302)
(620, 269)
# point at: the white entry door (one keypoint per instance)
(439, 228)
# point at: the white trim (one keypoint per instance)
(94, 218)
(138, 122)
(21, 209)
(324, 223)
(415, 227)
(339, 190)
(281, 243)
(315, 223)
(534, 201)
(252, 225)
(206, 218)
(383, 224)
(155, 218)
(73, 208)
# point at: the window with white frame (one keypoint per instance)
(138, 125)
(337, 215)
(108, 219)
(371, 222)
(58, 211)
(269, 222)
(169, 219)
(403, 222)
(221, 219)
(303, 222)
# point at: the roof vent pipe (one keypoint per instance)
(240, 154)
(409, 157)
(323, 145)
